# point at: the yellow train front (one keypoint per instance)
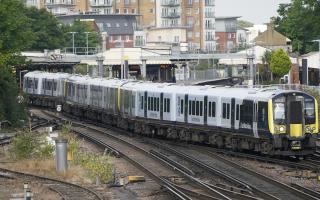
(293, 123)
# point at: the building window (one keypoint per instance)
(151, 10)
(125, 11)
(176, 39)
(133, 11)
(117, 11)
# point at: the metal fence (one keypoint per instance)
(208, 74)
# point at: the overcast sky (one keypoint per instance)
(255, 11)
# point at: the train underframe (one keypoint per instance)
(218, 137)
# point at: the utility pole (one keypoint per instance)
(73, 33)
(87, 34)
(319, 56)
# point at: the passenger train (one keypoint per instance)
(269, 121)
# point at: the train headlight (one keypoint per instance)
(281, 128)
(308, 129)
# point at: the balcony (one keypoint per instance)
(209, 14)
(170, 15)
(51, 4)
(209, 3)
(209, 27)
(170, 3)
(105, 4)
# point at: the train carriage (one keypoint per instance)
(270, 121)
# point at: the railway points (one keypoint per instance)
(282, 194)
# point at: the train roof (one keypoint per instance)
(263, 94)
(48, 75)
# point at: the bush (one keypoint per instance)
(97, 165)
(29, 145)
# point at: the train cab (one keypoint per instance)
(293, 121)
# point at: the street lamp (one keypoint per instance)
(319, 54)
(87, 34)
(23, 71)
(73, 40)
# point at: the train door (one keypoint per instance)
(233, 105)
(205, 113)
(226, 112)
(186, 108)
(295, 116)
(161, 106)
(145, 104)
(254, 122)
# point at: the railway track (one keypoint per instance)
(261, 185)
(132, 151)
(66, 190)
(296, 164)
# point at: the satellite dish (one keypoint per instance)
(59, 108)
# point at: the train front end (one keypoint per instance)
(293, 122)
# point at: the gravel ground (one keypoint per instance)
(283, 174)
(147, 190)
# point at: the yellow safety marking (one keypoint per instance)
(132, 179)
(296, 130)
(125, 57)
(119, 95)
(64, 88)
(317, 117)
(270, 117)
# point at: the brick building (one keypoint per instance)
(196, 15)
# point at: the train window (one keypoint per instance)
(181, 106)
(158, 103)
(224, 110)
(55, 85)
(190, 107)
(262, 115)
(213, 109)
(279, 112)
(197, 108)
(149, 103)
(36, 84)
(193, 107)
(201, 108)
(210, 109)
(237, 112)
(228, 110)
(309, 112)
(246, 112)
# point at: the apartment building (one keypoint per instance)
(195, 16)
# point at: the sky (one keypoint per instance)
(255, 11)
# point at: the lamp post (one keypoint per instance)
(73, 33)
(319, 56)
(23, 71)
(87, 34)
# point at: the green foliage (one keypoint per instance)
(10, 109)
(299, 20)
(29, 145)
(245, 24)
(204, 64)
(97, 165)
(80, 38)
(46, 30)
(15, 31)
(280, 63)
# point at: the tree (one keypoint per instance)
(80, 39)
(245, 24)
(15, 31)
(266, 59)
(299, 20)
(47, 31)
(15, 36)
(280, 63)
